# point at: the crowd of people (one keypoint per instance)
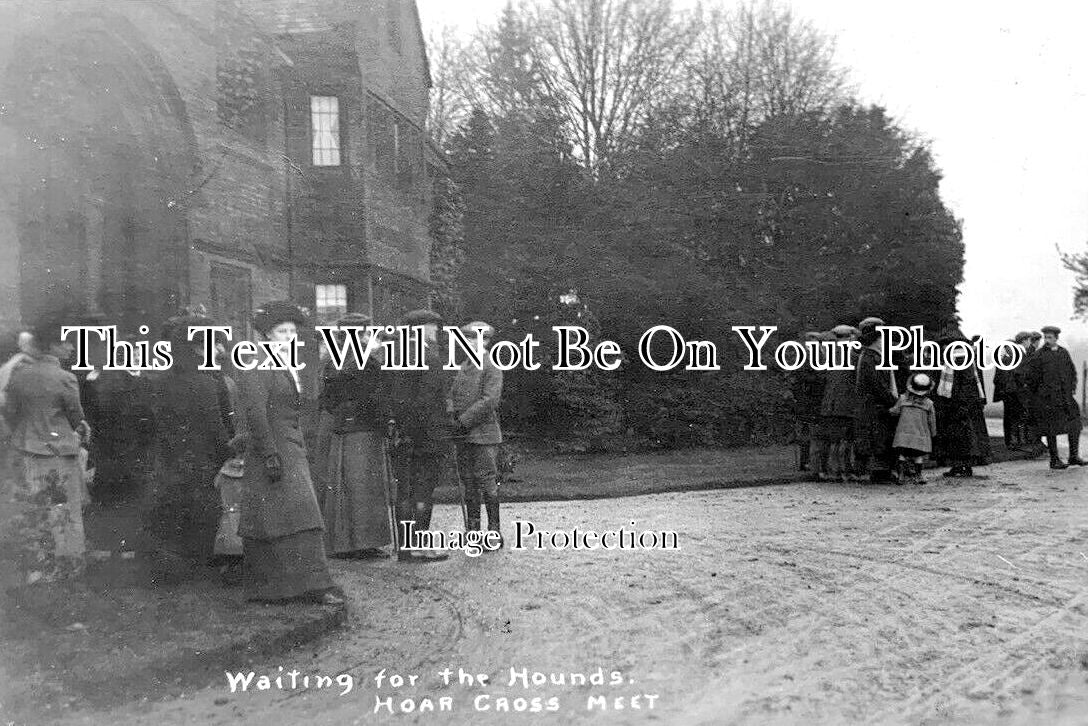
(880, 425)
(235, 472)
(232, 470)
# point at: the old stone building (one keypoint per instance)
(159, 153)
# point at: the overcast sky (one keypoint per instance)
(1000, 89)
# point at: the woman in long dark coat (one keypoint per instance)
(351, 466)
(876, 393)
(958, 395)
(281, 524)
(191, 443)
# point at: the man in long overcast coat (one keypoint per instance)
(1052, 381)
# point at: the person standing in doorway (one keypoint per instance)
(191, 443)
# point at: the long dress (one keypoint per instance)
(190, 445)
(119, 409)
(43, 409)
(281, 525)
(351, 471)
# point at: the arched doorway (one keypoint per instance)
(104, 168)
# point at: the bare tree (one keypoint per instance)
(758, 62)
(450, 71)
(611, 62)
(796, 63)
(1078, 265)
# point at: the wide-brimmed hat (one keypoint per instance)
(273, 313)
(920, 384)
(176, 329)
(421, 317)
(353, 319)
(842, 332)
(470, 329)
(46, 332)
(867, 330)
(1022, 336)
(1036, 335)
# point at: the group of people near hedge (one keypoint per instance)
(306, 487)
(880, 425)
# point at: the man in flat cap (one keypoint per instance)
(474, 401)
(1052, 381)
(418, 403)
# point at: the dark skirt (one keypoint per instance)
(983, 452)
(835, 429)
(958, 434)
(181, 520)
(287, 567)
(352, 482)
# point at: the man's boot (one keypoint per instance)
(493, 521)
(1074, 449)
(423, 523)
(472, 516)
(1038, 448)
(956, 472)
(1052, 446)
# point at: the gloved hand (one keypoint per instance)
(273, 467)
(84, 431)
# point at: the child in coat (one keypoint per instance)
(916, 428)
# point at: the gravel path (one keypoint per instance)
(957, 602)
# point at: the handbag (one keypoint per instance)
(228, 482)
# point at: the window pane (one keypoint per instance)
(331, 302)
(325, 127)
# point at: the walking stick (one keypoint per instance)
(391, 497)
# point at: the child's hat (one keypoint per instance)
(920, 384)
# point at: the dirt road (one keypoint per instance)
(957, 602)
